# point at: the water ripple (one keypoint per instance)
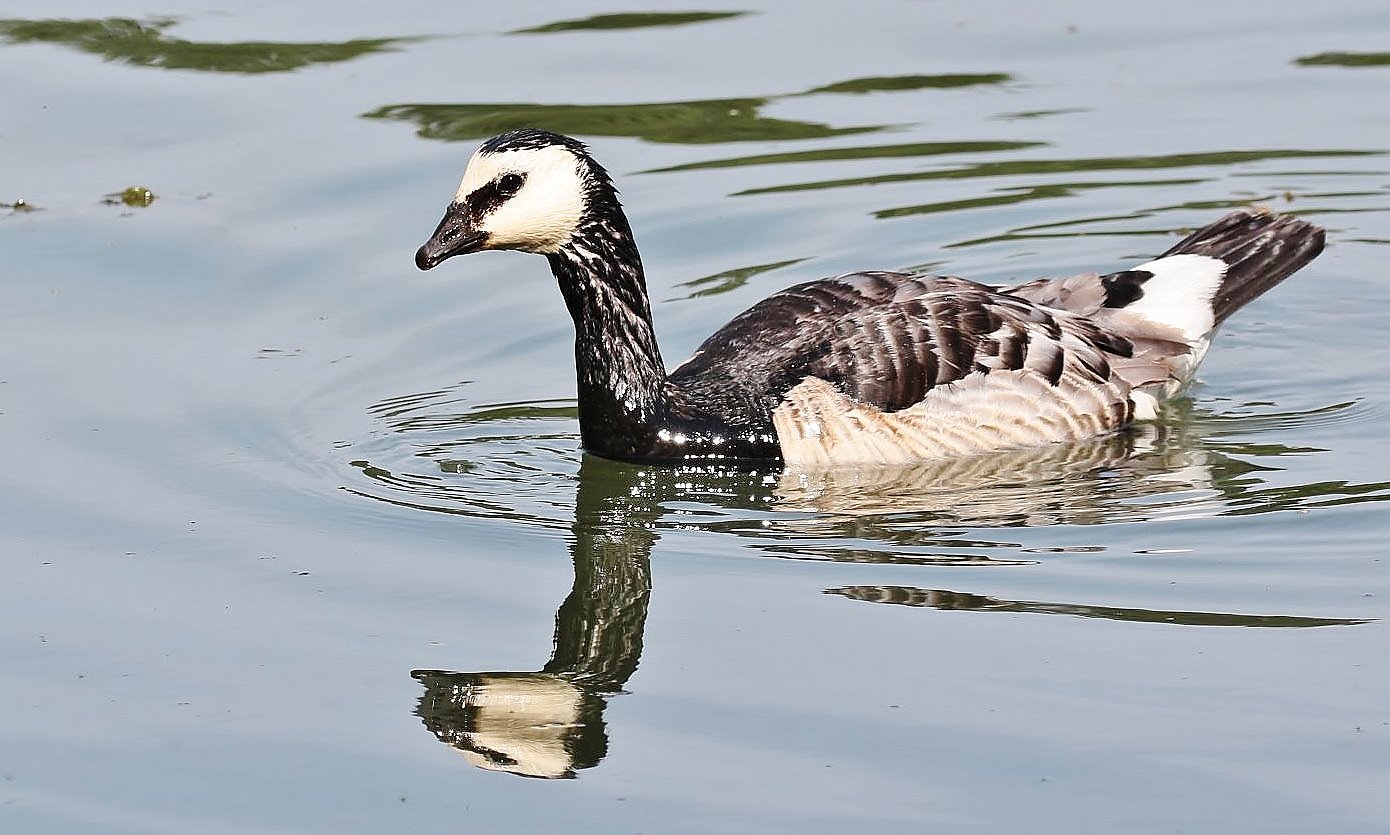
(521, 461)
(958, 601)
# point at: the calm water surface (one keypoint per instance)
(297, 539)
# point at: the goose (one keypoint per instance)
(865, 368)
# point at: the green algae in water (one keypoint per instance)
(1345, 59)
(145, 44)
(138, 196)
(628, 20)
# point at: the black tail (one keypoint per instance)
(1260, 249)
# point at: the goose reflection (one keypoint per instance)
(549, 723)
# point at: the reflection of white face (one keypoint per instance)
(526, 719)
(543, 215)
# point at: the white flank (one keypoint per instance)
(1180, 294)
(542, 216)
(817, 426)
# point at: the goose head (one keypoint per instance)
(528, 190)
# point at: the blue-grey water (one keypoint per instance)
(294, 538)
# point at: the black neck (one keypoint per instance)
(622, 382)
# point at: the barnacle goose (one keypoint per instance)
(867, 367)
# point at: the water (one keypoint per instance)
(297, 539)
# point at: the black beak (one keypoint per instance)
(454, 236)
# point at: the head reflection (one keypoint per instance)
(530, 724)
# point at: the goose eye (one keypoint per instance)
(509, 184)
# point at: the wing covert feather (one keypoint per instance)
(888, 339)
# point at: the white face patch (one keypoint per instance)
(543, 215)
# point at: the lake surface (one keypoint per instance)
(294, 538)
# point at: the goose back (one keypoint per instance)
(882, 342)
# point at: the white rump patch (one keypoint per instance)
(1180, 294)
(542, 216)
